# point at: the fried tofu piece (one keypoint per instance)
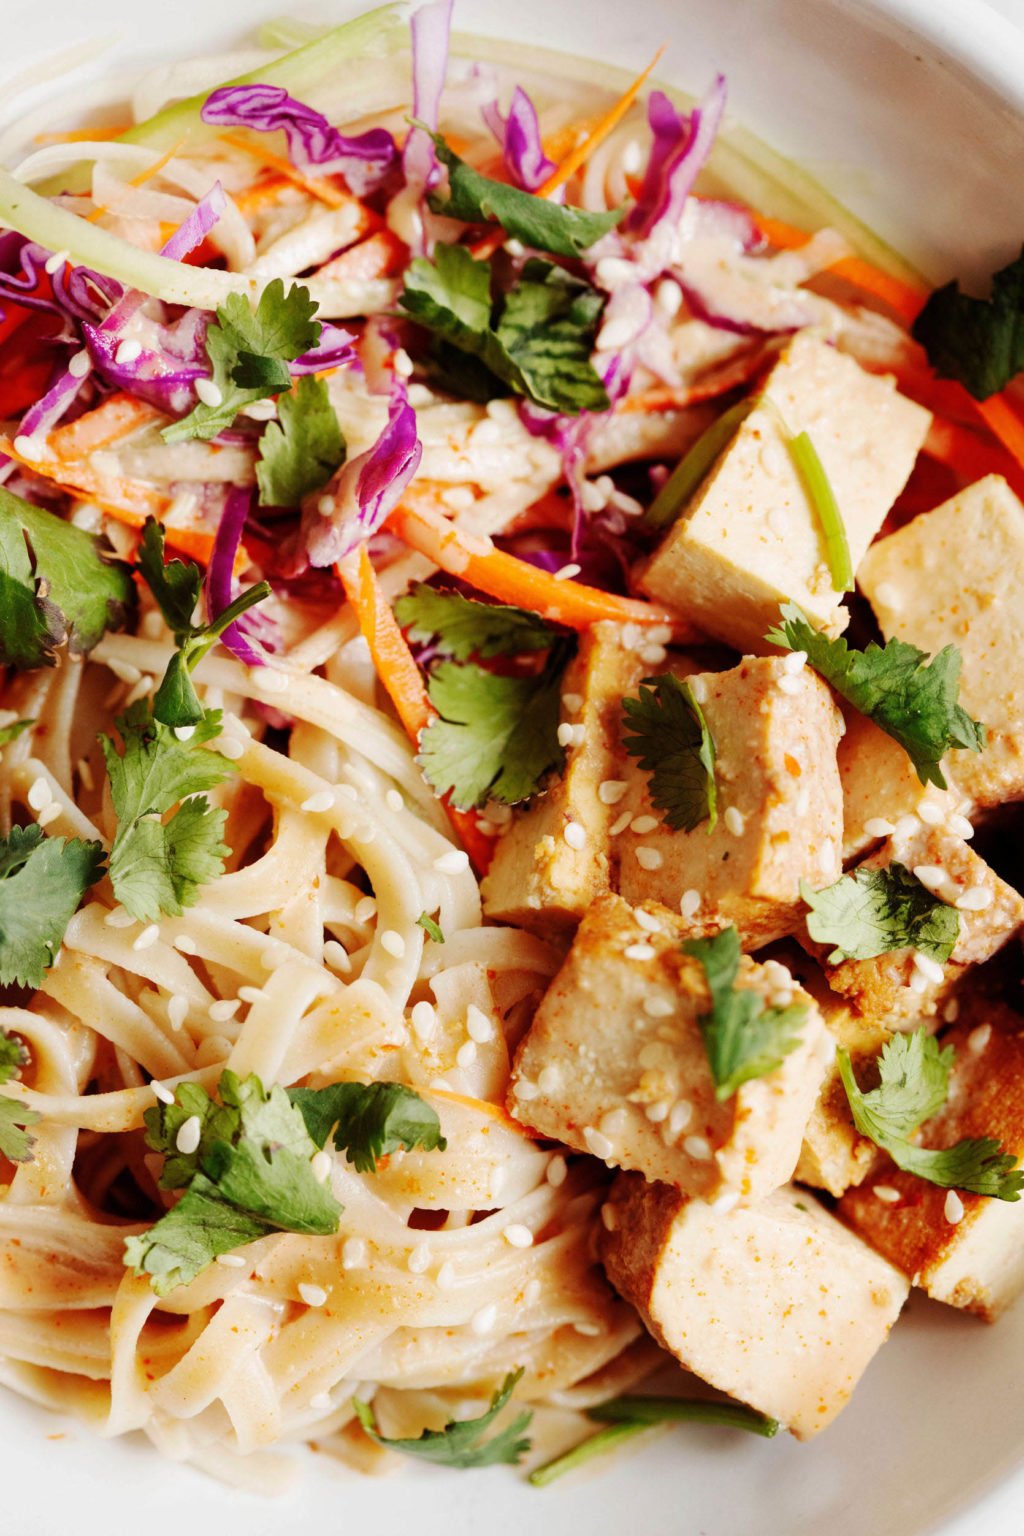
(777, 1304)
(966, 1250)
(892, 986)
(953, 576)
(751, 538)
(780, 814)
(614, 1063)
(880, 784)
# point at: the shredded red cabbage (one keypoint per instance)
(333, 350)
(431, 30)
(219, 590)
(363, 160)
(682, 143)
(197, 226)
(519, 137)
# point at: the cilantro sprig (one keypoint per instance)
(461, 1442)
(670, 738)
(249, 351)
(15, 1142)
(874, 911)
(42, 881)
(58, 586)
(979, 342)
(431, 927)
(913, 699)
(369, 1120)
(16, 728)
(462, 627)
(913, 1085)
(535, 339)
(300, 451)
(743, 1038)
(251, 1174)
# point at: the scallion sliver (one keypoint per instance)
(695, 464)
(822, 498)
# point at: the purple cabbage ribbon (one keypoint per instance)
(431, 31)
(219, 589)
(518, 133)
(682, 144)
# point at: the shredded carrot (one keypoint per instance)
(903, 299)
(84, 135)
(324, 191)
(261, 192)
(140, 178)
(503, 576)
(600, 131)
(665, 397)
(1004, 423)
(482, 1107)
(115, 418)
(381, 254)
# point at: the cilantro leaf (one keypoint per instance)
(369, 1120)
(15, 1142)
(537, 338)
(494, 737)
(176, 585)
(249, 351)
(250, 1174)
(913, 1085)
(299, 453)
(158, 866)
(536, 221)
(460, 1443)
(672, 742)
(912, 699)
(42, 881)
(14, 730)
(462, 627)
(873, 911)
(57, 585)
(431, 928)
(979, 342)
(13, 1056)
(742, 1037)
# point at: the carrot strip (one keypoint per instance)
(483, 1107)
(261, 192)
(140, 178)
(380, 255)
(515, 581)
(1003, 422)
(115, 418)
(600, 131)
(664, 397)
(324, 191)
(903, 299)
(83, 135)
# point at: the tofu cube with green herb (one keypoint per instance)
(553, 861)
(963, 1249)
(943, 910)
(952, 577)
(880, 785)
(615, 1062)
(751, 537)
(778, 1304)
(778, 806)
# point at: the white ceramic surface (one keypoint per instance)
(913, 111)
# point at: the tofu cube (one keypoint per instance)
(538, 879)
(953, 576)
(750, 538)
(614, 1063)
(892, 986)
(881, 784)
(780, 813)
(777, 1304)
(973, 1260)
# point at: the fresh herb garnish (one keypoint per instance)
(42, 881)
(822, 498)
(300, 452)
(536, 338)
(250, 1174)
(536, 221)
(460, 1443)
(15, 1144)
(431, 928)
(14, 730)
(369, 1120)
(912, 699)
(461, 627)
(57, 586)
(913, 1085)
(249, 351)
(671, 740)
(743, 1038)
(693, 467)
(979, 342)
(873, 911)
(156, 865)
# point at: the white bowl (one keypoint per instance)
(912, 112)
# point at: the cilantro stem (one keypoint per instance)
(822, 498)
(689, 1410)
(597, 1445)
(695, 464)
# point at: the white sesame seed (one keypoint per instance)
(177, 1010)
(886, 1194)
(787, 683)
(649, 858)
(567, 572)
(639, 952)
(225, 1008)
(641, 825)
(699, 689)
(148, 936)
(526, 1089)
(794, 661)
(679, 1118)
(589, 1330)
(906, 827)
(658, 1111)
(124, 671)
(611, 791)
(573, 703)
(401, 362)
(727, 1201)
(189, 1133)
(646, 921)
(128, 351)
(478, 1026)
(53, 263)
(918, 983)
(419, 1259)
(550, 1079)
(424, 1021)
(565, 734)
(653, 655)
(698, 1148)
(48, 813)
(353, 1253)
(959, 826)
(365, 909)
(39, 794)
(466, 1054)
(273, 956)
(162, 1092)
(620, 824)
(454, 862)
(336, 957)
(312, 1295)
(979, 1038)
(802, 803)
(735, 821)
(231, 749)
(609, 1218)
(117, 917)
(597, 1143)
(953, 1209)
(531, 1295)
(878, 826)
(518, 1235)
(931, 814)
(951, 1012)
(668, 295)
(209, 393)
(658, 1007)
(932, 876)
(483, 1321)
(184, 732)
(321, 1166)
(557, 1171)
(185, 944)
(975, 899)
(321, 801)
(392, 943)
(930, 969)
(888, 595)
(32, 448)
(80, 365)
(321, 1402)
(268, 680)
(231, 1260)
(445, 1277)
(394, 802)
(575, 835)
(689, 903)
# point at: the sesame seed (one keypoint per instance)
(189, 1134)
(117, 917)
(466, 1054)
(979, 1038)
(689, 903)
(658, 1111)
(951, 1012)
(419, 1259)
(32, 448)
(597, 1143)
(148, 936)
(445, 1277)
(365, 909)
(653, 655)
(321, 1402)
(589, 1330)
(888, 595)
(632, 635)
(224, 1009)
(353, 1253)
(641, 825)
(557, 1171)
(932, 876)
(953, 1209)
(639, 951)
(787, 683)
(185, 944)
(565, 734)
(575, 835)
(567, 572)
(454, 862)
(129, 351)
(48, 813)
(906, 826)
(573, 703)
(550, 1079)
(162, 1092)
(124, 671)
(620, 824)
(886, 1194)
(609, 1218)
(79, 365)
(658, 1007)
(312, 1295)
(336, 957)
(184, 732)
(645, 921)
(735, 821)
(526, 1089)
(231, 749)
(931, 814)
(321, 801)
(960, 826)
(392, 943)
(699, 689)
(478, 1026)
(649, 858)
(401, 362)
(85, 773)
(611, 791)
(878, 826)
(531, 1295)
(698, 1148)
(177, 1010)
(975, 899)
(273, 956)
(269, 680)
(679, 1118)
(394, 801)
(930, 969)
(231, 1260)
(424, 1021)
(518, 1235)
(321, 1166)
(483, 1321)
(918, 983)
(39, 794)
(794, 661)
(209, 393)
